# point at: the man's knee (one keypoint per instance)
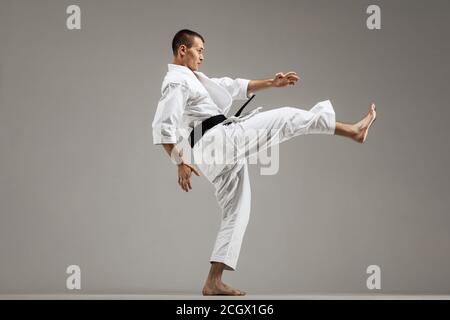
(285, 114)
(288, 110)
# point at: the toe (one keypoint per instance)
(237, 292)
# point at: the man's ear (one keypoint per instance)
(182, 50)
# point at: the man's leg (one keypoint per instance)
(275, 126)
(234, 197)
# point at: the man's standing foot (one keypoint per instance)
(214, 288)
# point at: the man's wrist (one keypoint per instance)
(177, 156)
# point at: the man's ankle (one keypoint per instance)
(214, 280)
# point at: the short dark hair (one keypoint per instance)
(185, 37)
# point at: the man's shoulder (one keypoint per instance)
(176, 77)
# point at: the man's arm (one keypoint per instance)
(167, 119)
(169, 112)
(280, 80)
(174, 153)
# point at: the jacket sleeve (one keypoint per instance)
(237, 88)
(169, 113)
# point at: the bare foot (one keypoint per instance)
(362, 127)
(221, 289)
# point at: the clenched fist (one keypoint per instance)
(283, 80)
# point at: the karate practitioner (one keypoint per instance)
(189, 97)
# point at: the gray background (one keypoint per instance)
(81, 182)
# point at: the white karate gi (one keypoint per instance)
(190, 97)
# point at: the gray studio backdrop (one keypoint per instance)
(82, 184)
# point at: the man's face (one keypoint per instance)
(194, 55)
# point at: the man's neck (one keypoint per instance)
(180, 63)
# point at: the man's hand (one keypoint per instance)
(184, 176)
(283, 80)
(280, 80)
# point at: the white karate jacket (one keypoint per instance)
(189, 97)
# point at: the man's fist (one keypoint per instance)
(283, 80)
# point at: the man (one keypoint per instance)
(190, 98)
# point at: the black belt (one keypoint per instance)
(200, 129)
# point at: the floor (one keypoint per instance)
(192, 296)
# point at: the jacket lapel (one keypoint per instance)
(219, 95)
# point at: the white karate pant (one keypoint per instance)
(231, 180)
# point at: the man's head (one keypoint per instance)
(187, 47)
